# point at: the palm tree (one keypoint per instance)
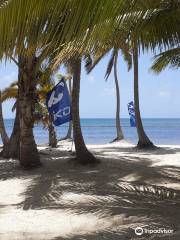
(146, 34)
(32, 38)
(113, 62)
(4, 136)
(115, 45)
(52, 133)
(51, 27)
(119, 133)
(11, 149)
(83, 156)
(144, 141)
(40, 115)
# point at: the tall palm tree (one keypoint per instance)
(147, 33)
(114, 45)
(83, 156)
(27, 81)
(119, 133)
(144, 141)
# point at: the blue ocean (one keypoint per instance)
(100, 131)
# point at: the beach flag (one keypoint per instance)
(59, 104)
(132, 114)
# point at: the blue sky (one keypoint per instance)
(159, 94)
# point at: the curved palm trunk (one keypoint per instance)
(52, 134)
(118, 124)
(83, 156)
(144, 141)
(4, 136)
(11, 150)
(28, 153)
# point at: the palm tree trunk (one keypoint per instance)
(83, 156)
(52, 134)
(28, 153)
(144, 141)
(11, 150)
(118, 124)
(4, 136)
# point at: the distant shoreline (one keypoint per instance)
(154, 118)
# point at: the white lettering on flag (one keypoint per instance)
(53, 100)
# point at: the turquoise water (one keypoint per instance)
(98, 131)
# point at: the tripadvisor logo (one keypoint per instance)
(139, 231)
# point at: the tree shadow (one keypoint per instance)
(133, 150)
(107, 201)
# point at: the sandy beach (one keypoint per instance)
(63, 200)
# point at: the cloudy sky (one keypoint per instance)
(159, 94)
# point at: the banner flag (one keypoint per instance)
(59, 104)
(132, 114)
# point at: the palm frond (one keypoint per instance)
(169, 58)
(10, 92)
(110, 63)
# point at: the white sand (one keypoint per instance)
(63, 200)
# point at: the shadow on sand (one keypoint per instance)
(103, 202)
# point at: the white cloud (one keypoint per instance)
(164, 94)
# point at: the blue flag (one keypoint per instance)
(132, 114)
(59, 104)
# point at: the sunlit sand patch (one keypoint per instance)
(168, 160)
(80, 198)
(48, 224)
(131, 177)
(12, 191)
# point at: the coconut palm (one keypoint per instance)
(83, 156)
(144, 141)
(149, 34)
(29, 39)
(40, 115)
(115, 44)
(11, 149)
(4, 136)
